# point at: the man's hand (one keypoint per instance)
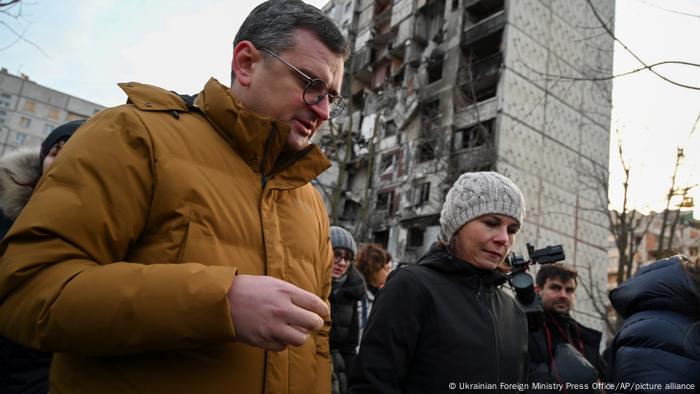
(270, 313)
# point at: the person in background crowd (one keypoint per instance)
(561, 349)
(446, 320)
(25, 370)
(658, 347)
(348, 288)
(374, 262)
(179, 246)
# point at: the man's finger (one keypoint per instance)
(309, 301)
(303, 319)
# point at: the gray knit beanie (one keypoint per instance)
(476, 194)
(341, 238)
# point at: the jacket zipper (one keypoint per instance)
(263, 182)
(494, 330)
(263, 177)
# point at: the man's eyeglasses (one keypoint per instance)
(315, 90)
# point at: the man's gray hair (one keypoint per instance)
(272, 24)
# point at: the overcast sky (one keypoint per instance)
(87, 46)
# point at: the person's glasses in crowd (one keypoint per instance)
(315, 90)
(342, 255)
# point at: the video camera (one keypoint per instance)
(522, 282)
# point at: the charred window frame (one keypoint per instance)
(482, 9)
(430, 118)
(434, 67)
(426, 152)
(381, 237)
(390, 128)
(478, 135)
(385, 201)
(387, 163)
(415, 237)
(422, 194)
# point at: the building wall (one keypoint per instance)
(553, 130)
(482, 85)
(29, 111)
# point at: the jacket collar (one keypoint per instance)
(662, 285)
(440, 259)
(258, 139)
(354, 285)
(19, 171)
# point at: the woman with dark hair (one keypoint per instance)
(374, 263)
(444, 324)
(658, 346)
(26, 370)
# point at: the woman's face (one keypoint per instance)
(51, 156)
(341, 261)
(380, 276)
(485, 241)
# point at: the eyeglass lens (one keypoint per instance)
(316, 90)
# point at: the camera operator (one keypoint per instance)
(561, 349)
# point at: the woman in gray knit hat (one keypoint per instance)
(347, 289)
(444, 324)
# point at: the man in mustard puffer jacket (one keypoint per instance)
(177, 245)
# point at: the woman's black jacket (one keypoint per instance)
(345, 331)
(439, 326)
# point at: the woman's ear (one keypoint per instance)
(245, 57)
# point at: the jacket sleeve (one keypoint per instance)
(64, 283)
(390, 338)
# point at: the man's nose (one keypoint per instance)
(322, 108)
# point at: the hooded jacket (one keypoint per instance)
(439, 322)
(659, 343)
(121, 261)
(18, 172)
(24, 370)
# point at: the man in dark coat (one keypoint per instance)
(658, 347)
(348, 287)
(561, 349)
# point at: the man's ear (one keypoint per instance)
(245, 57)
(537, 289)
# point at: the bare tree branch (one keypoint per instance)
(4, 10)
(607, 29)
(669, 10)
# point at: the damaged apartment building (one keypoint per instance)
(439, 87)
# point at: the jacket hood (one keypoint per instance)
(663, 285)
(354, 287)
(19, 171)
(440, 259)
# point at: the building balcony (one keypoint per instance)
(482, 29)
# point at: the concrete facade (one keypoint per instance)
(440, 87)
(29, 111)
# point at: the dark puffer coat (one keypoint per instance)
(442, 326)
(660, 340)
(22, 369)
(345, 335)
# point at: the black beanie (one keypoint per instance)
(62, 132)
